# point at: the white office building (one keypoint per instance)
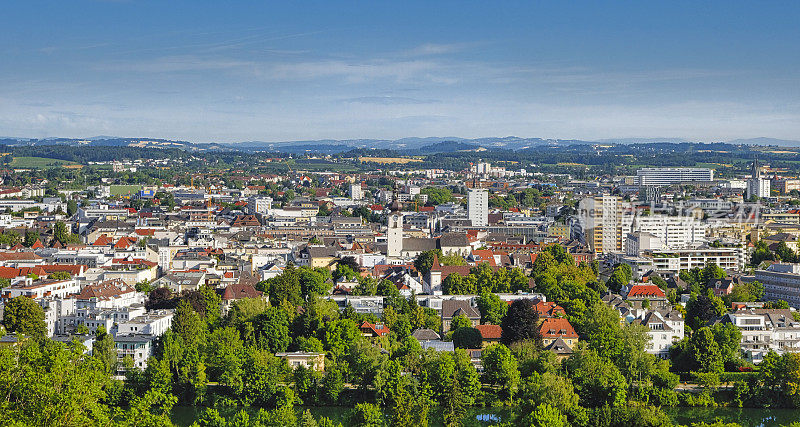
(675, 260)
(669, 176)
(781, 282)
(478, 207)
(259, 205)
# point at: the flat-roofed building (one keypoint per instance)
(669, 176)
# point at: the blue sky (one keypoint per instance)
(271, 71)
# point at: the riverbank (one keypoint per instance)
(184, 416)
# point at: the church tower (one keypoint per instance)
(394, 236)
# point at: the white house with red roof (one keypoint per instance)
(374, 330)
(637, 294)
(109, 294)
(39, 290)
(554, 328)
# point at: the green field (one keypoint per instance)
(38, 163)
(119, 190)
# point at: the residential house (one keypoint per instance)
(554, 328)
(640, 295)
(179, 281)
(308, 360)
(764, 330)
(238, 291)
(664, 328)
(490, 333)
(374, 330)
(454, 308)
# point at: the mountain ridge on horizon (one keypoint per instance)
(406, 143)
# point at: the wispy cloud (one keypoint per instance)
(168, 64)
(389, 100)
(438, 49)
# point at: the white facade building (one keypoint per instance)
(668, 176)
(675, 232)
(356, 193)
(259, 205)
(37, 291)
(675, 260)
(605, 221)
(757, 186)
(478, 207)
(781, 282)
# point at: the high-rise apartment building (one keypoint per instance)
(675, 232)
(478, 207)
(757, 186)
(356, 193)
(605, 223)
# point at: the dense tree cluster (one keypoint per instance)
(226, 365)
(484, 279)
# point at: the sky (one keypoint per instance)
(227, 71)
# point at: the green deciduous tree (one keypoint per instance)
(705, 351)
(23, 315)
(555, 391)
(104, 350)
(703, 308)
(492, 308)
(272, 330)
(460, 321)
(596, 381)
(467, 337)
(366, 415)
(50, 384)
(546, 416)
(31, 236)
(521, 322)
(500, 369)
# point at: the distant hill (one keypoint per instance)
(410, 145)
(642, 140)
(767, 141)
(447, 147)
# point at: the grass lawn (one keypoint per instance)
(38, 163)
(118, 190)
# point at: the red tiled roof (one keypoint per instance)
(549, 309)
(490, 332)
(105, 290)
(484, 255)
(37, 245)
(103, 241)
(124, 242)
(557, 327)
(236, 291)
(11, 273)
(18, 256)
(72, 269)
(377, 329)
(646, 291)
